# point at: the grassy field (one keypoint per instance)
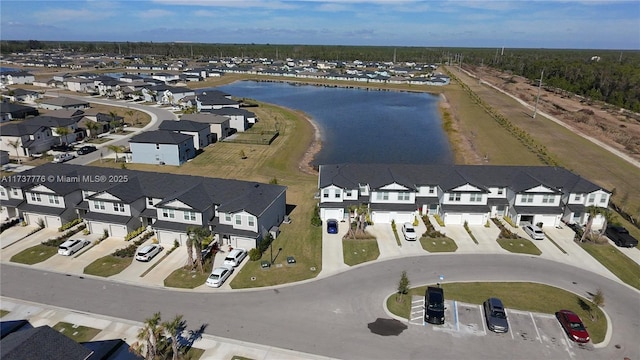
(618, 263)
(189, 279)
(359, 251)
(438, 244)
(107, 266)
(34, 254)
(516, 295)
(520, 246)
(76, 332)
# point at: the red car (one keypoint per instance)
(572, 324)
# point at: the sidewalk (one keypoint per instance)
(214, 347)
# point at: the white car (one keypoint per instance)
(409, 232)
(148, 252)
(60, 158)
(72, 246)
(235, 257)
(535, 232)
(219, 275)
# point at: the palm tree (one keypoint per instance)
(115, 122)
(62, 132)
(130, 115)
(15, 144)
(173, 329)
(608, 217)
(93, 127)
(116, 149)
(592, 211)
(197, 235)
(148, 338)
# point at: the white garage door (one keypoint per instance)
(379, 217)
(52, 222)
(119, 231)
(244, 243)
(402, 218)
(453, 219)
(546, 220)
(473, 219)
(168, 237)
(97, 227)
(337, 214)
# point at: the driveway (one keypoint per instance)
(486, 237)
(75, 264)
(14, 234)
(32, 240)
(332, 255)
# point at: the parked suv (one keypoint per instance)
(148, 252)
(72, 246)
(434, 305)
(495, 315)
(235, 257)
(535, 232)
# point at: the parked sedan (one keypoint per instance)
(495, 315)
(535, 232)
(148, 252)
(573, 326)
(409, 232)
(219, 276)
(86, 149)
(332, 226)
(60, 158)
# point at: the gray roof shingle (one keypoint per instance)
(160, 137)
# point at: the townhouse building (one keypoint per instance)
(459, 193)
(118, 201)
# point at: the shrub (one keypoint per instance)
(255, 254)
(315, 219)
(55, 242)
(438, 219)
(504, 232)
(129, 251)
(415, 221)
(69, 224)
(134, 233)
(393, 226)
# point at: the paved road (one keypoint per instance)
(330, 316)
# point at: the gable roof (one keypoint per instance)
(205, 118)
(64, 101)
(182, 125)
(41, 343)
(17, 109)
(51, 121)
(19, 129)
(160, 137)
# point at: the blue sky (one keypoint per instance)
(589, 24)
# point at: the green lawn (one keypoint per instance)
(76, 332)
(4, 312)
(359, 251)
(189, 279)
(617, 262)
(443, 244)
(34, 254)
(515, 295)
(193, 354)
(520, 246)
(107, 266)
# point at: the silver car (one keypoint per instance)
(219, 275)
(535, 232)
(72, 246)
(148, 252)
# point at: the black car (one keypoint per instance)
(86, 149)
(434, 305)
(62, 147)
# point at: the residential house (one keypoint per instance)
(4, 157)
(239, 117)
(200, 132)
(41, 342)
(459, 193)
(58, 103)
(219, 126)
(80, 85)
(23, 96)
(28, 138)
(118, 201)
(57, 119)
(161, 147)
(16, 77)
(166, 77)
(213, 99)
(12, 111)
(164, 94)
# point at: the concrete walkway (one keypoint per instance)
(214, 347)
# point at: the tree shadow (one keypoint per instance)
(193, 336)
(583, 305)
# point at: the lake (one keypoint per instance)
(361, 126)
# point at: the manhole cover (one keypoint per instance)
(253, 278)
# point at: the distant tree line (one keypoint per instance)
(612, 76)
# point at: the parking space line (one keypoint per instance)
(455, 315)
(484, 325)
(510, 327)
(536, 327)
(567, 340)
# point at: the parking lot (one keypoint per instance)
(530, 332)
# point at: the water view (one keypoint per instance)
(365, 126)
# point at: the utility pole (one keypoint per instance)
(535, 110)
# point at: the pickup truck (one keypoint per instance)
(621, 236)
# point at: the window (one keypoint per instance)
(54, 199)
(454, 197)
(252, 221)
(548, 199)
(150, 201)
(500, 191)
(338, 194)
(325, 194)
(381, 195)
(190, 215)
(2, 192)
(157, 146)
(592, 198)
(238, 220)
(118, 207)
(404, 196)
(14, 192)
(527, 198)
(99, 205)
(475, 197)
(168, 213)
(432, 189)
(603, 198)
(35, 197)
(577, 197)
(227, 217)
(348, 193)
